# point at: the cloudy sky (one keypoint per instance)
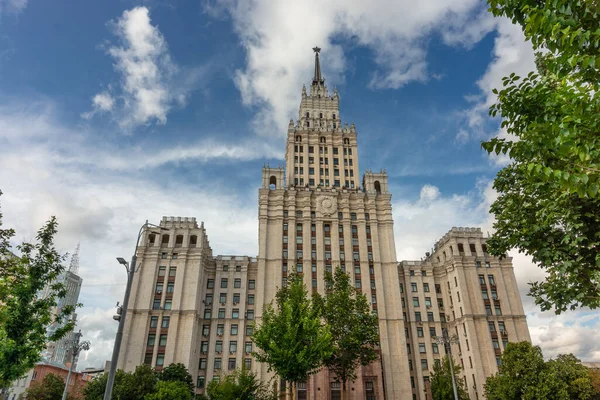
(115, 112)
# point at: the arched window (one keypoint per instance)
(307, 114)
(298, 138)
(165, 240)
(178, 240)
(307, 124)
(346, 141)
(272, 182)
(320, 115)
(151, 239)
(322, 139)
(334, 125)
(377, 187)
(333, 116)
(193, 240)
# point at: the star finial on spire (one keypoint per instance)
(317, 78)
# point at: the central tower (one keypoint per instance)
(315, 216)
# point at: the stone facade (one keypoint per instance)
(315, 215)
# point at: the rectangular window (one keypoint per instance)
(432, 332)
(201, 381)
(221, 313)
(205, 330)
(207, 313)
(153, 322)
(481, 279)
(435, 348)
(415, 302)
(165, 322)
(151, 339)
(235, 313)
(225, 268)
(492, 326)
(173, 270)
(491, 280)
(223, 283)
(170, 287)
(234, 329)
(413, 287)
(231, 364)
(248, 347)
(210, 283)
(478, 264)
(250, 299)
(163, 340)
(497, 309)
(247, 363)
(219, 346)
(162, 271)
(422, 348)
(251, 284)
(168, 304)
(427, 301)
(250, 314)
(202, 364)
(204, 347)
(484, 294)
(220, 329)
(223, 298)
(429, 316)
(418, 316)
(156, 304)
(236, 298)
(232, 346)
(217, 364)
(357, 283)
(424, 366)
(237, 283)
(420, 332)
(249, 330)
(160, 360)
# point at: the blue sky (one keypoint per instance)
(112, 113)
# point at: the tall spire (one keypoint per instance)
(317, 78)
(74, 266)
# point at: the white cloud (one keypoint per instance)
(278, 55)
(12, 6)
(151, 83)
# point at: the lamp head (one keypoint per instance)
(122, 261)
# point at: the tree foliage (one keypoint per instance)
(523, 374)
(548, 204)
(353, 327)
(292, 340)
(441, 381)
(50, 388)
(170, 390)
(177, 373)
(130, 386)
(25, 314)
(242, 384)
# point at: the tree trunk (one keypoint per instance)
(343, 390)
(293, 386)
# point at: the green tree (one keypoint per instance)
(594, 375)
(523, 374)
(177, 373)
(354, 328)
(24, 313)
(548, 205)
(242, 384)
(441, 381)
(170, 390)
(127, 386)
(291, 338)
(50, 388)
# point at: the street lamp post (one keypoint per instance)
(77, 347)
(122, 310)
(448, 341)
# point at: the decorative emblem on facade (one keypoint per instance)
(327, 205)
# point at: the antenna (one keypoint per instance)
(74, 266)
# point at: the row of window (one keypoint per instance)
(162, 271)
(298, 148)
(353, 217)
(219, 347)
(324, 171)
(336, 183)
(420, 332)
(217, 366)
(327, 227)
(223, 298)
(221, 329)
(238, 268)
(237, 283)
(320, 116)
(235, 313)
(193, 240)
(423, 348)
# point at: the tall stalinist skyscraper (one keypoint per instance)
(316, 215)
